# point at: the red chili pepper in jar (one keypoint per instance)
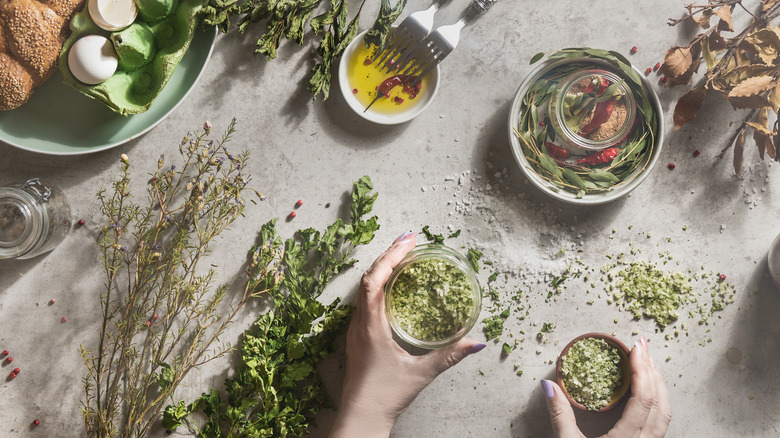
(601, 114)
(600, 157)
(557, 152)
(600, 90)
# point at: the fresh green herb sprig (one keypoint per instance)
(161, 312)
(634, 154)
(276, 391)
(288, 19)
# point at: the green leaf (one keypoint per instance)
(474, 256)
(166, 376)
(601, 175)
(570, 176)
(435, 238)
(550, 165)
(174, 415)
(536, 58)
(384, 20)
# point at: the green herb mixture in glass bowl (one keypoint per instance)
(432, 298)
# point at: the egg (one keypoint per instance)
(112, 15)
(92, 59)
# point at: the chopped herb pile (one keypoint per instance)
(431, 299)
(591, 372)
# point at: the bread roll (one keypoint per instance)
(31, 37)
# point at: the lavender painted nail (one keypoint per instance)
(402, 236)
(477, 348)
(549, 391)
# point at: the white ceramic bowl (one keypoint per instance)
(550, 188)
(372, 116)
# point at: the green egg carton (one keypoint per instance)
(133, 91)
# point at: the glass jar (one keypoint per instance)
(34, 219)
(433, 297)
(572, 91)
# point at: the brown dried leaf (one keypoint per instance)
(717, 43)
(774, 98)
(749, 93)
(761, 132)
(759, 129)
(724, 13)
(688, 105)
(765, 43)
(680, 63)
(767, 4)
(771, 147)
(708, 55)
(739, 147)
(703, 20)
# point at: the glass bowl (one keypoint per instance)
(620, 393)
(433, 297)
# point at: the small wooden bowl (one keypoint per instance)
(621, 392)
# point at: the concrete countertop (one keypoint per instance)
(450, 168)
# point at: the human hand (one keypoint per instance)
(382, 379)
(647, 413)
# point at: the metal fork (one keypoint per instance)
(416, 63)
(412, 30)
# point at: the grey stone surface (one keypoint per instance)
(450, 167)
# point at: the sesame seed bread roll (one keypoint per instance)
(32, 34)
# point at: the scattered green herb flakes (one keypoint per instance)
(547, 327)
(435, 238)
(591, 372)
(432, 299)
(474, 256)
(494, 325)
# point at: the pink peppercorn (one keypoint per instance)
(36, 422)
(662, 80)
(5, 352)
(722, 277)
(13, 375)
(647, 72)
(81, 222)
(9, 359)
(17, 371)
(634, 50)
(64, 319)
(657, 66)
(354, 91)
(671, 166)
(696, 153)
(293, 214)
(299, 203)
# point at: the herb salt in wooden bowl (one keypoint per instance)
(433, 297)
(585, 126)
(594, 372)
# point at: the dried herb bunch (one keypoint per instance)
(288, 18)
(744, 69)
(616, 165)
(161, 309)
(276, 391)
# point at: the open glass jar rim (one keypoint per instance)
(452, 257)
(570, 86)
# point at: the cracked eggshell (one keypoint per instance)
(92, 59)
(112, 15)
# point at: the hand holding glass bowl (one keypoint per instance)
(383, 379)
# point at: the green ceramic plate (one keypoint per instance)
(58, 120)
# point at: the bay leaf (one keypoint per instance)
(604, 184)
(749, 93)
(774, 98)
(739, 146)
(708, 55)
(703, 19)
(550, 165)
(580, 194)
(536, 58)
(724, 13)
(716, 42)
(761, 140)
(680, 63)
(601, 175)
(572, 177)
(688, 105)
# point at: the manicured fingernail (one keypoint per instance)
(402, 236)
(638, 345)
(549, 391)
(476, 348)
(644, 342)
(407, 236)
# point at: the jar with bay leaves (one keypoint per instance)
(34, 219)
(585, 126)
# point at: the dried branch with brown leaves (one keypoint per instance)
(744, 69)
